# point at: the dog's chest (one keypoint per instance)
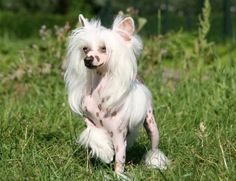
(91, 105)
(93, 110)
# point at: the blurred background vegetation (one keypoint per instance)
(188, 62)
(23, 18)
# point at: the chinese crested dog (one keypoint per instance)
(102, 84)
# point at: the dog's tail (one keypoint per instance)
(99, 141)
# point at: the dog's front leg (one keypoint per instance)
(120, 143)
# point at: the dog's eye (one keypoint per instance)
(85, 49)
(103, 49)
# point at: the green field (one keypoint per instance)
(194, 95)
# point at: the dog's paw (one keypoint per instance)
(156, 159)
(123, 177)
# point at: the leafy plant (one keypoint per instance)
(203, 48)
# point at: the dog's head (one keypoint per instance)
(96, 45)
(109, 51)
(92, 45)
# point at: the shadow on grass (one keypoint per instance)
(133, 156)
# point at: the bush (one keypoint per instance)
(25, 25)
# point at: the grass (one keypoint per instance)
(195, 111)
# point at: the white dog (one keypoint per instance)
(101, 78)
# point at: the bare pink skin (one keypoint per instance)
(95, 115)
(98, 52)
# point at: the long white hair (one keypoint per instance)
(121, 66)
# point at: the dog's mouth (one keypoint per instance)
(91, 66)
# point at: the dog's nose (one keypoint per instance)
(88, 60)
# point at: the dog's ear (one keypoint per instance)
(83, 21)
(125, 28)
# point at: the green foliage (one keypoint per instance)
(46, 6)
(203, 48)
(184, 50)
(25, 25)
(204, 23)
(159, 22)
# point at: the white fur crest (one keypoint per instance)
(100, 143)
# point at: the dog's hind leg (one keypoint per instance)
(150, 126)
(154, 158)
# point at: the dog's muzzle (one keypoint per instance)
(88, 62)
